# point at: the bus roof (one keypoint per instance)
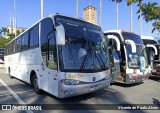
(118, 31)
(150, 38)
(49, 16)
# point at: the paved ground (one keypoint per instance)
(13, 91)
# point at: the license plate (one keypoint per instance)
(153, 70)
(93, 88)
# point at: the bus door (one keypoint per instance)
(52, 65)
(111, 59)
(117, 60)
(151, 56)
(114, 56)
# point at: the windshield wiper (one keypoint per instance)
(91, 47)
(79, 40)
(72, 57)
(100, 60)
(84, 62)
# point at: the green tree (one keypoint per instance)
(18, 32)
(4, 31)
(140, 5)
(23, 30)
(129, 3)
(4, 41)
(149, 12)
(117, 2)
(11, 35)
(1, 32)
(156, 17)
(156, 26)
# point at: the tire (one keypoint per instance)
(35, 84)
(9, 73)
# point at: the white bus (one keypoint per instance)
(130, 63)
(154, 60)
(61, 55)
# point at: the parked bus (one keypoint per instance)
(154, 60)
(130, 63)
(1, 55)
(61, 55)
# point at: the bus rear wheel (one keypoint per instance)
(35, 84)
(9, 73)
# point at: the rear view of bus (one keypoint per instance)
(71, 57)
(154, 60)
(130, 63)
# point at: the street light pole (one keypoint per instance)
(42, 9)
(77, 8)
(15, 28)
(100, 22)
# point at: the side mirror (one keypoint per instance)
(117, 41)
(60, 35)
(133, 45)
(154, 47)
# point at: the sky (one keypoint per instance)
(28, 12)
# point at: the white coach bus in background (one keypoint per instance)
(154, 60)
(61, 55)
(130, 62)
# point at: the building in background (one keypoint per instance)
(11, 29)
(90, 14)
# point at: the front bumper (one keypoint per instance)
(136, 78)
(74, 90)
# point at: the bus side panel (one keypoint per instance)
(21, 64)
(11, 61)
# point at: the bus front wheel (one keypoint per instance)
(35, 84)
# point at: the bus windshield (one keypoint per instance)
(153, 42)
(145, 41)
(84, 49)
(134, 58)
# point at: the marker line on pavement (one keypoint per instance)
(16, 93)
(15, 96)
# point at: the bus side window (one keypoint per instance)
(31, 38)
(18, 44)
(34, 37)
(46, 28)
(52, 52)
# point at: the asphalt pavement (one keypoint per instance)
(13, 91)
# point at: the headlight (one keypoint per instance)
(107, 77)
(130, 76)
(70, 81)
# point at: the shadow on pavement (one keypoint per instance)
(155, 78)
(127, 85)
(101, 99)
(88, 102)
(105, 97)
(156, 102)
